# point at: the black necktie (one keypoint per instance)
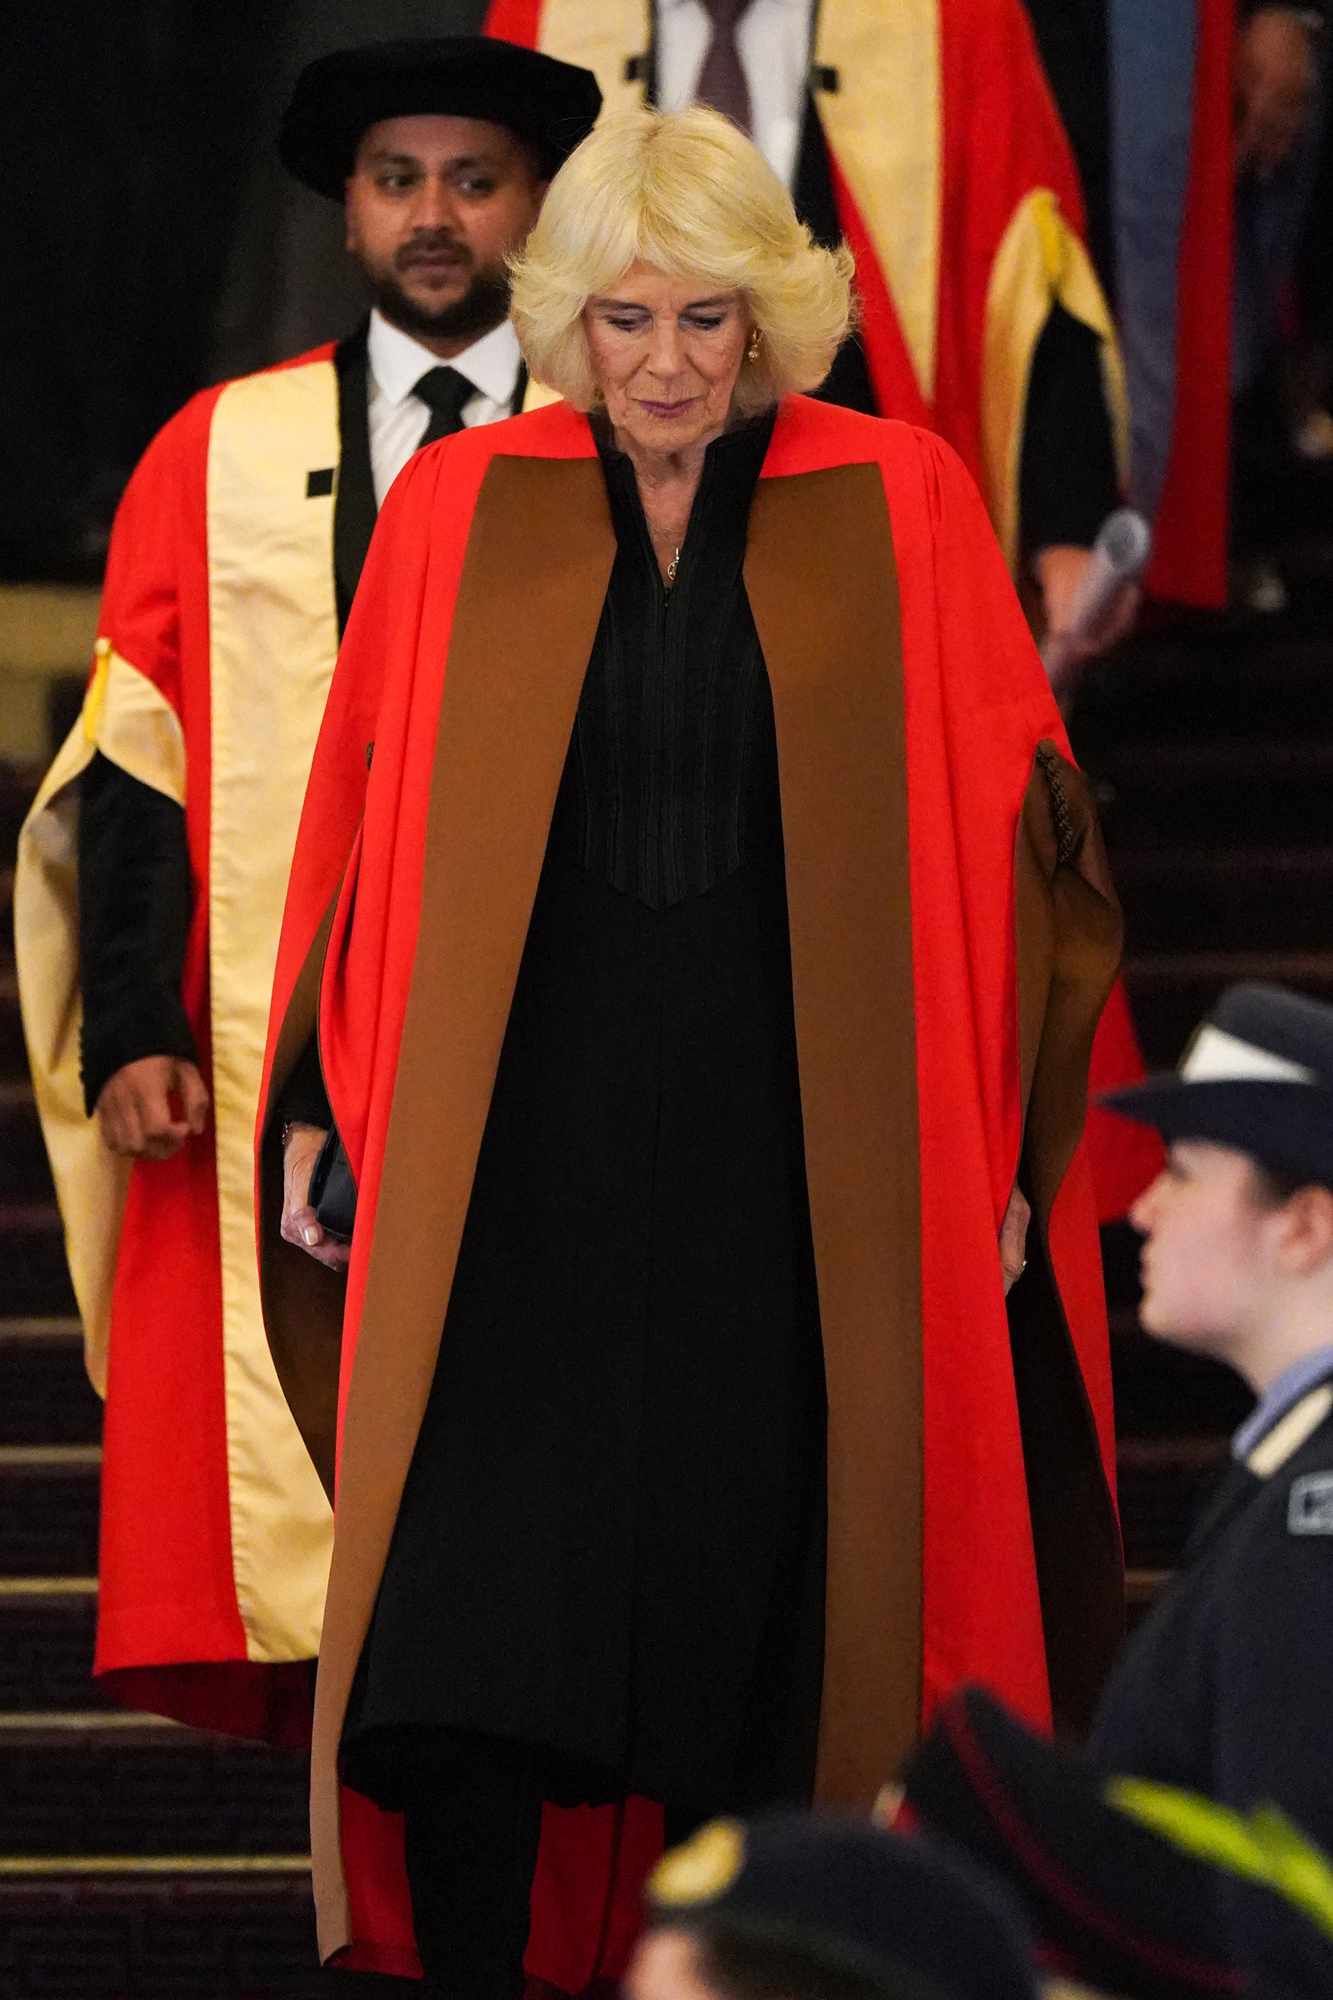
(722, 80)
(444, 392)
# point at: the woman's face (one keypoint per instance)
(666, 354)
(1207, 1248)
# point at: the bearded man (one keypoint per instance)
(153, 864)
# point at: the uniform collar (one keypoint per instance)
(398, 362)
(1281, 1396)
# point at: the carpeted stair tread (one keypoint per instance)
(1210, 902)
(1163, 1482)
(115, 1784)
(45, 1394)
(48, 1510)
(25, 1175)
(46, 1644)
(32, 1257)
(195, 1936)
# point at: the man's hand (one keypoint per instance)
(1276, 74)
(149, 1108)
(1059, 571)
(300, 1225)
(1013, 1239)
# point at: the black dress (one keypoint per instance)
(610, 1547)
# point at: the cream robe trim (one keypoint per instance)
(602, 37)
(133, 724)
(884, 127)
(1040, 261)
(273, 636)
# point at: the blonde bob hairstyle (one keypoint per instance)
(687, 193)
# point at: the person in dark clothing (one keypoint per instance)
(641, 1526)
(1196, 127)
(1222, 1690)
(153, 865)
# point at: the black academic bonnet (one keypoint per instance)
(1115, 1902)
(848, 1897)
(1257, 1076)
(551, 104)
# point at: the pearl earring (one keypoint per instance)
(752, 351)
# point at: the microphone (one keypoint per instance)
(1119, 556)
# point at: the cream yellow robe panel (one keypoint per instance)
(273, 635)
(126, 718)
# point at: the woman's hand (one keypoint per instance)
(1013, 1238)
(300, 1224)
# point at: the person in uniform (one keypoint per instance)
(152, 867)
(1221, 1691)
(682, 730)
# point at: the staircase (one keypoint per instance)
(139, 1861)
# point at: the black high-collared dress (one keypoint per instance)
(610, 1544)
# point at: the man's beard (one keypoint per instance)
(481, 306)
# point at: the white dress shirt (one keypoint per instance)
(773, 41)
(398, 419)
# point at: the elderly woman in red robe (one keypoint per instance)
(706, 931)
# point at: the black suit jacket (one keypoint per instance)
(354, 507)
(1225, 1688)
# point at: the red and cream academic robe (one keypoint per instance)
(245, 520)
(953, 937)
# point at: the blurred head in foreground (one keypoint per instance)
(796, 1907)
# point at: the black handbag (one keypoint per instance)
(333, 1189)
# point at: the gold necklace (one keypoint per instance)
(673, 565)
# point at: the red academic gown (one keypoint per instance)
(218, 634)
(479, 604)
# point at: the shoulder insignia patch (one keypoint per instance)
(1310, 1505)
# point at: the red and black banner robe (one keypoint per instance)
(953, 937)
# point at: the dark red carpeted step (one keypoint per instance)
(112, 1783)
(46, 1644)
(48, 1510)
(32, 1257)
(45, 1394)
